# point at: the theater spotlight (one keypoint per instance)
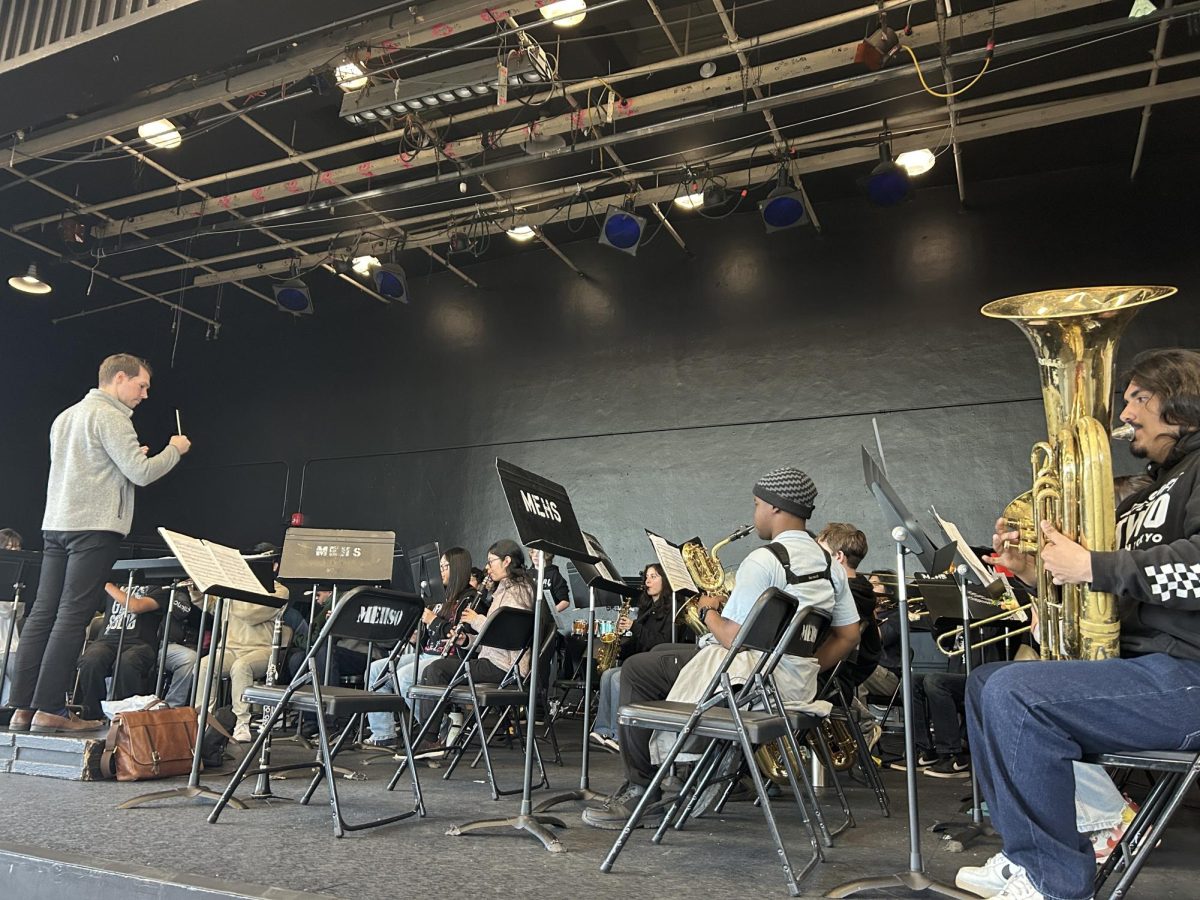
(784, 208)
(292, 296)
(622, 230)
(391, 282)
(889, 183)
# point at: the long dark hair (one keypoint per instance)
(516, 566)
(645, 601)
(1173, 376)
(459, 580)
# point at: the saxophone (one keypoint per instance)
(610, 644)
(1074, 334)
(706, 570)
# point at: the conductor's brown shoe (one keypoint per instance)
(20, 720)
(48, 723)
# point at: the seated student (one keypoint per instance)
(783, 503)
(514, 587)
(137, 614)
(442, 640)
(651, 628)
(183, 634)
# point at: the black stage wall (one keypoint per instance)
(656, 390)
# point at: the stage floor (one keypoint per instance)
(284, 845)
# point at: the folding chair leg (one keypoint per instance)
(485, 739)
(1147, 815)
(827, 761)
(337, 748)
(867, 764)
(1146, 847)
(796, 777)
(327, 758)
(252, 754)
(689, 795)
(769, 814)
(418, 798)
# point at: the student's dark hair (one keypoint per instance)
(10, 539)
(458, 582)
(121, 362)
(1172, 374)
(516, 567)
(845, 537)
(645, 600)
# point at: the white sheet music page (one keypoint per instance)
(196, 559)
(964, 550)
(235, 573)
(671, 559)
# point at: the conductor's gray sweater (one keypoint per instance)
(95, 462)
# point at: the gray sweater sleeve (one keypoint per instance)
(1165, 575)
(121, 444)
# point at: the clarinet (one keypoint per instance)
(456, 632)
(262, 786)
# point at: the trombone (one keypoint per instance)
(954, 634)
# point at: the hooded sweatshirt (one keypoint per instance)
(1156, 574)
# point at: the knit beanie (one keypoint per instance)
(789, 489)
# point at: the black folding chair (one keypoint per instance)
(367, 614)
(508, 628)
(724, 714)
(1177, 771)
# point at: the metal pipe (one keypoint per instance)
(1144, 125)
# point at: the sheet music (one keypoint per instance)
(208, 568)
(671, 559)
(964, 550)
(594, 549)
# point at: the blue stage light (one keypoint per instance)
(888, 184)
(391, 282)
(293, 296)
(622, 230)
(784, 208)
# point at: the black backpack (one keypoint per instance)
(217, 734)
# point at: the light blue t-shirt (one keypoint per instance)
(762, 570)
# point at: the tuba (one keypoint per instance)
(843, 751)
(1074, 333)
(706, 570)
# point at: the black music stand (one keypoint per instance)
(26, 569)
(914, 878)
(600, 575)
(211, 576)
(545, 521)
(161, 570)
(424, 562)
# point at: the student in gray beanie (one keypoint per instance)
(793, 562)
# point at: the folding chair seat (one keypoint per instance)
(371, 615)
(742, 718)
(1177, 771)
(508, 628)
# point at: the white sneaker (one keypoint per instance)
(1020, 887)
(241, 734)
(989, 879)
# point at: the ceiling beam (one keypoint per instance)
(428, 22)
(628, 109)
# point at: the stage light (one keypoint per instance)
(362, 265)
(160, 133)
(29, 283)
(561, 12)
(391, 282)
(888, 184)
(916, 162)
(715, 196)
(708, 69)
(435, 89)
(292, 296)
(784, 208)
(521, 233)
(349, 76)
(690, 201)
(622, 230)
(1142, 8)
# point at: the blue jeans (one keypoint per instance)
(1029, 722)
(609, 700)
(180, 662)
(408, 670)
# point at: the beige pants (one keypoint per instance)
(243, 667)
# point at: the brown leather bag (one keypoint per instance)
(150, 743)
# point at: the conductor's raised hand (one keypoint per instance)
(1063, 558)
(181, 443)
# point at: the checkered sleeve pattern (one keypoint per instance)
(1174, 581)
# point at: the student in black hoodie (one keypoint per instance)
(1029, 722)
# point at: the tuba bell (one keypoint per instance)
(843, 751)
(1074, 333)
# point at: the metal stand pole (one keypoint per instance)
(585, 791)
(121, 639)
(162, 650)
(915, 878)
(527, 820)
(958, 835)
(194, 788)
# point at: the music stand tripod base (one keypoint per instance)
(534, 823)
(914, 881)
(190, 792)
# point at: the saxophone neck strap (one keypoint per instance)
(780, 553)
